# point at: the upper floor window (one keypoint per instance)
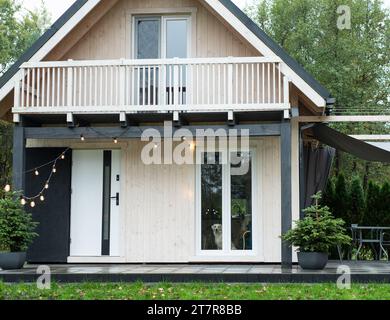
(161, 37)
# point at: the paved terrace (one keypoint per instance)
(265, 273)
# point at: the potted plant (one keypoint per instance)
(16, 232)
(315, 235)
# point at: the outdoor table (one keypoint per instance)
(376, 237)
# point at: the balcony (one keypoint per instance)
(163, 85)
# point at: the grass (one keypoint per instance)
(193, 291)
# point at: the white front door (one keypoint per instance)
(95, 203)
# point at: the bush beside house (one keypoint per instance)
(349, 201)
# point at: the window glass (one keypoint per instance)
(211, 199)
(176, 38)
(148, 38)
(241, 201)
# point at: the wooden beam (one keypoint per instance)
(286, 190)
(19, 158)
(123, 120)
(378, 118)
(136, 132)
(231, 118)
(373, 137)
(70, 120)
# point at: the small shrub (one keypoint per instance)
(16, 225)
(319, 231)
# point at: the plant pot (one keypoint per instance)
(312, 260)
(12, 260)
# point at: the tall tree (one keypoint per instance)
(373, 196)
(357, 201)
(18, 30)
(352, 63)
(341, 200)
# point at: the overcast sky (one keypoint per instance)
(57, 7)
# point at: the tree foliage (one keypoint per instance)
(353, 64)
(16, 225)
(358, 203)
(18, 30)
(369, 207)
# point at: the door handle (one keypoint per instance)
(116, 198)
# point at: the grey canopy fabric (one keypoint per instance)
(317, 163)
(350, 145)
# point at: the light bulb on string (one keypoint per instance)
(63, 156)
(82, 138)
(155, 145)
(47, 185)
(42, 198)
(7, 188)
(23, 202)
(54, 169)
(36, 172)
(115, 140)
(32, 204)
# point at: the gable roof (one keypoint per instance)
(228, 4)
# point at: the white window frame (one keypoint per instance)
(163, 19)
(226, 210)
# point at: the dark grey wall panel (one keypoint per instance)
(53, 214)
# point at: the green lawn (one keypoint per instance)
(193, 291)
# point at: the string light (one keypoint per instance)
(115, 140)
(32, 200)
(155, 145)
(82, 138)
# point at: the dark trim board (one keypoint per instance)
(19, 158)
(286, 193)
(272, 129)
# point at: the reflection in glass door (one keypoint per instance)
(211, 185)
(241, 201)
(226, 203)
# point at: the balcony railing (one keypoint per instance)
(203, 84)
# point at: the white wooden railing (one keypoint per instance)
(202, 84)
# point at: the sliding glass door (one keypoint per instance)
(225, 203)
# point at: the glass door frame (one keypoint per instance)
(226, 208)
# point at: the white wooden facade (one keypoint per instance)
(89, 68)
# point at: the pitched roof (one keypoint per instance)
(249, 23)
